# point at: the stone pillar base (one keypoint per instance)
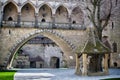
(17, 25)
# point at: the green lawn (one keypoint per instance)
(112, 79)
(7, 75)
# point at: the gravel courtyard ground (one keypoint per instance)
(59, 74)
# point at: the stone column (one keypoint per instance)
(36, 20)
(111, 59)
(19, 20)
(53, 21)
(84, 73)
(77, 68)
(70, 22)
(1, 18)
(106, 64)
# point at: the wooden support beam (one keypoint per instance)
(106, 64)
(77, 68)
(84, 72)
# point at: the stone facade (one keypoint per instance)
(115, 38)
(34, 11)
(46, 52)
(21, 61)
(40, 54)
(65, 41)
(62, 21)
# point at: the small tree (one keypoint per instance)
(100, 13)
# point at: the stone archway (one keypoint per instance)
(43, 20)
(28, 12)
(10, 12)
(10, 19)
(47, 33)
(54, 62)
(77, 12)
(45, 12)
(61, 14)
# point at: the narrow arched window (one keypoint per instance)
(10, 19)
(44, 15)
(74, 22)
(116, 2)
(115, 64)
(27, 8)
(43, 20)
(43, 8)
(114, 47)
(59, 11)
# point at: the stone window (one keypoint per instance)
(112, 25)
(114, 45)
(59, 11)
(42, 38)
(27, 8)
(74, 22)
(9, 31)
(53, 44)
(10, 9)
(10, 19)
(44, 15)
(43, 8)
(43, 20)
(41, 65)
(115, 64)
(116, 2)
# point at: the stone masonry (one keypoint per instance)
(64, 22)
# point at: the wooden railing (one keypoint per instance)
(43, 25)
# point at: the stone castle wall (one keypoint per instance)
(66, 39)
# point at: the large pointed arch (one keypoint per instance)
(60, 42)
(13, 2)
(47, 4)
(61, 5)
(61, 14)
(77, 15)
(28, 12)
(45, 12)
(28, 2)
(10, 11)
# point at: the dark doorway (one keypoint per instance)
(93, 62)
(74, 22)
(115, 64)
(32, 64)
(55, 62)
(114, 47)
(41, 65)
(109, 63)
(43, 20)
(10, 19)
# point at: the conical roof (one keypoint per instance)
(93, 45)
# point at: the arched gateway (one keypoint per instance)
(53, 35)
(21, 21)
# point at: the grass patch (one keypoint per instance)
(112, 79)
(7, 75)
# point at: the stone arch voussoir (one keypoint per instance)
(65, 46)
(13, 2)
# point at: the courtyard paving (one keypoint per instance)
(59, 74)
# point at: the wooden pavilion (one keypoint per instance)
(92, 52)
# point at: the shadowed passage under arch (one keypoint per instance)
(60, 42)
